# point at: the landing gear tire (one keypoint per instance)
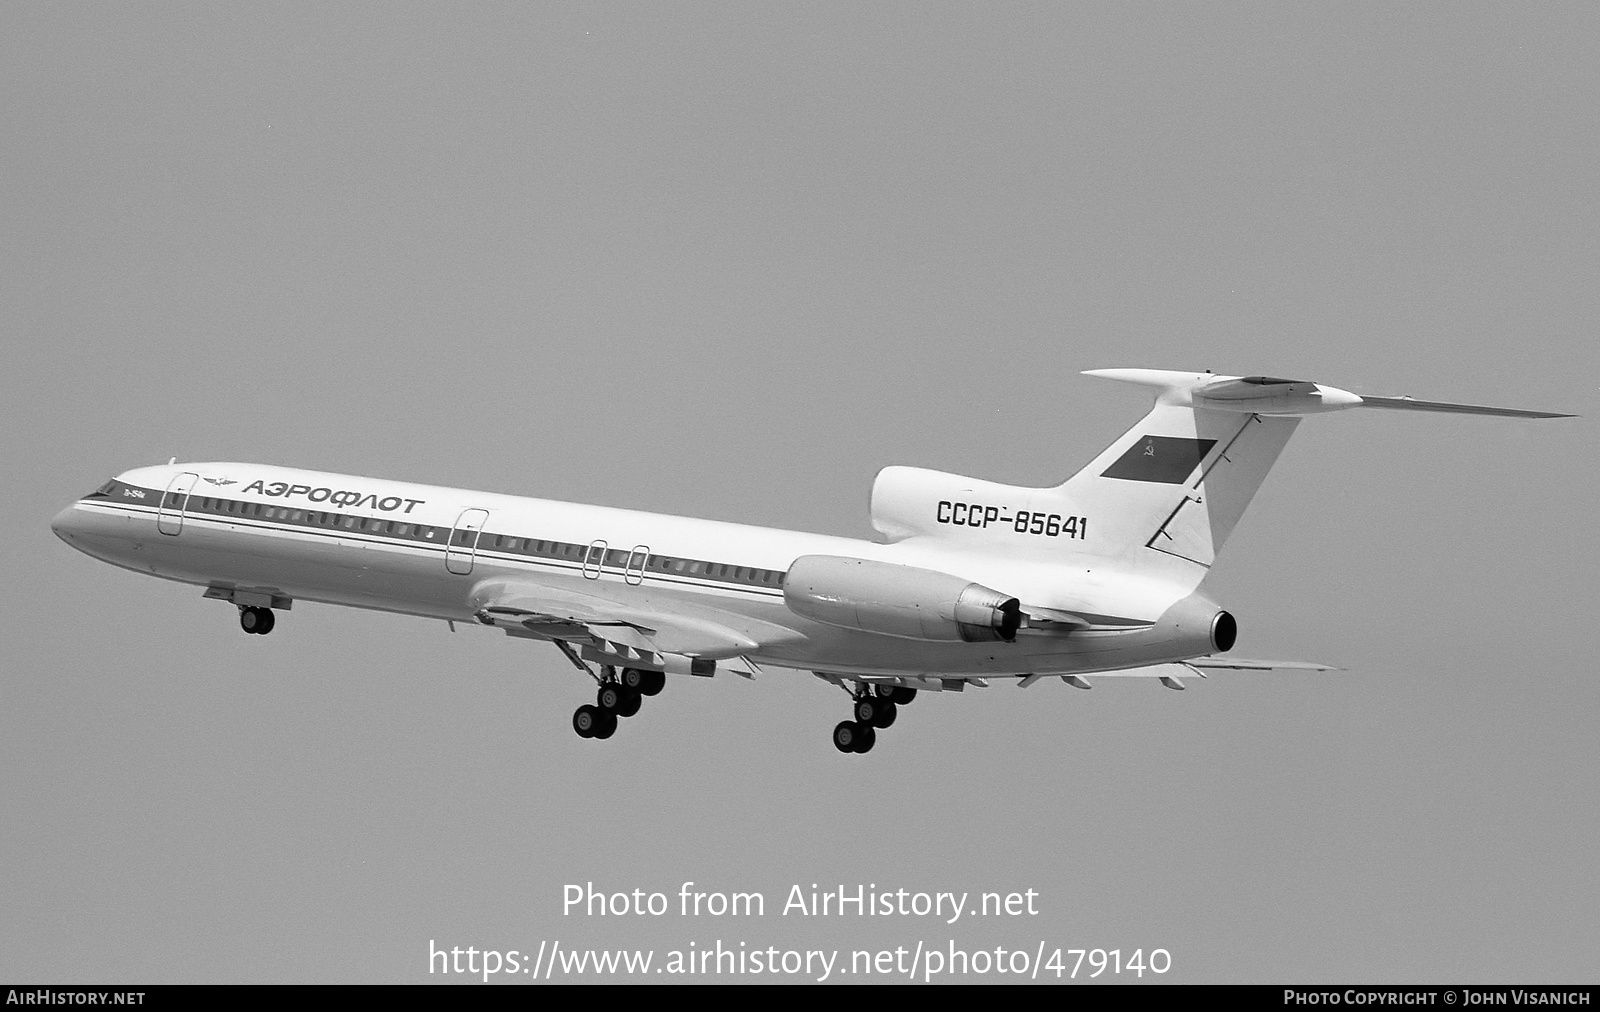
(631, 701)
(884, 713)
(867, 709)
(256, 621)
(607, 725)
(615, 698)
(902, 695)
(845, 735)
(585, 719)
(866, 737)
(853, 736)
(646, 683)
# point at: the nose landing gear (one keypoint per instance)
(256, 621)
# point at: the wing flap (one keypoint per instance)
(525, 607)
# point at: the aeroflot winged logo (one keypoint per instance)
(343, 498)
(222, 481)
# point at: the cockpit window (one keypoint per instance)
(106, 488)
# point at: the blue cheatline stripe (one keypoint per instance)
(558, 555)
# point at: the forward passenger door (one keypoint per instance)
(462, 547)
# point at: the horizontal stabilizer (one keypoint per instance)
(1274, 395)
(1411, 404)
(1201, 665)
(1247, 664)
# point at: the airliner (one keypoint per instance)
(972, 581)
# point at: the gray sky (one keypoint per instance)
(728, 262)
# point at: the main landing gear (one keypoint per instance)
(256, 621)
(874, 709)
(618, 697)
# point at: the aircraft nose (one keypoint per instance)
(66, 523)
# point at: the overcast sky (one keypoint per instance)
(729, 261)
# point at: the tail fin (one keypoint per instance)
(1180, 479)
(1177, 483)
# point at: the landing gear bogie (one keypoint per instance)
(873, 707)
(618, 696)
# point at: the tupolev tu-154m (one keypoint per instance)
(972, 580)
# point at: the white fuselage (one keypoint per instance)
(422, 549)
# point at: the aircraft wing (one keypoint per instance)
(666, 631)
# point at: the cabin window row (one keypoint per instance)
(618, 558)
(614, 558)
(312, 518)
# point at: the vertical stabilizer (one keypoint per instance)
(1179, 480)
(1175, 485)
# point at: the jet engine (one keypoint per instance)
(905, 601)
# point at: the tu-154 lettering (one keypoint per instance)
(972, 581)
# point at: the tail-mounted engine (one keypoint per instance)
(881, 597)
